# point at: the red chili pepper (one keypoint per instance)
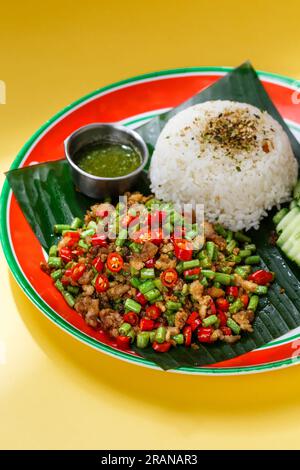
(99, 240)
(101, 283)
(102, 213)
(141, 236)
(245, 300)
(226, 330)
(183, 249)
(115, 262)
(222, 304)
(179, 233)
(77, 271)
(192, 317)
(196, 323)
(66, 254)
(204, 334)
(156, 236)
(123, 342)
(73, 238)
(153, 312)
(141, 299)
(98, 264)
(169, 277)
(261, 277)
(156, 218)
(161, 347)
(213, 307)
(131, 318)
(77, 252)
(232, 290)
(187, 333)
(222, 318)
(128, 219)
(146, 324)
(150, 263)
(191, 272)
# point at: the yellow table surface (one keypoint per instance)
(54, 391)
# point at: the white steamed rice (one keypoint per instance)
(237, 191)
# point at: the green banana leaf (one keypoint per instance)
(46, 197)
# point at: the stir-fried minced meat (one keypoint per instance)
(159, 286)
(110, 321)
(244, 319)
(248, 286)
(117, 291)
(196, 290)
(180, 318)
(164, 262)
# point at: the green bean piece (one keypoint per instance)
(226, 269)
(124, 329)
(59, 228)
(56, 274)
(241, 237)
(76, 223)
(170, 316)
(231, 246)
(185, 289)
(217, 284)
(245, 253)
(210, 249)
(208, 273)
(135, 282)
(87, 233)
(146, 286)
(253, 303)
(92, 224)
(59, 286)
(279, 216)
(223, 278)
(202, 255)
(261, 290)
(204, 282)
(64, 232)
(220, 230)
(205, 262)
(147, 273)
(53, 251)
(159, 285)
(243, 271)
(179, 339)
(142, 339)
(73, 290)
(250, 246)
(121, 237)
(255, 259)
(157, 299)
(179, 267)
(132, 305)
(160, 335)
(229, 236)
(152, 202)
(194, 263)
(134, 271)
(83, 245)
(210, 320)
(191, 235)
(236, 306)
(235, 258)
(69, 298)
(54, 262)
(173, 305)
(191, 277)
(234, 326)
(135, 247)
(152, 294)
(152, 336)
(216, 254)
(131, 335)
(230, 298)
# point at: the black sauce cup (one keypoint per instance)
(97, 186)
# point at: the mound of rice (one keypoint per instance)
(229, 156)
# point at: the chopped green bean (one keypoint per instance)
(255, 259)
(234, 326)
(135, 247)
(217, 284)
(159, 285)
(59, 228)
(69, 298)
(204, 282)
(76, 223)
(135, 282)
(124, 329)
(210, 320)
(147, 273)
(243, 271)
(146, 286)
(279, 216)
(241, 237)
(179, 267)
(231, 246)
(236, 306)
(53, 251)
(142, 339)
(54, 262)
(223, 278)
(253, 303)
(220, 230)
(131, 335)
(245, 253)
(179, 339)
(261, 290)
(152, 294)
(152, 336)
(160, 335)
(57, 274)
(87, 233)
(194, 263)
(132, 305)
(229, 236)
(250, 246)
(208, 274)
(83, 245)
(173, 305)
(59, 286)
(121, 237)
(210, 249)
(205, 262)
(73, 290)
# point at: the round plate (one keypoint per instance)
(129, 102)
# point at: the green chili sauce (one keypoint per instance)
(107, 159)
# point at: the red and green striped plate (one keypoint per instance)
(130, 102)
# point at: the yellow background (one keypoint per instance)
(54, 391)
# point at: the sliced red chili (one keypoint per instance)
(156, 236)
(226, 330)
(245, 299)
(77, 271)
(77, 252)
(73, 238)
(146, 324)
(169, 277)
(98, 264)
(141, 236)
(129, 219)
(204, 334)
(196, 323)
(232, 290)
(66, 254)
(161, 347)
(222, 304)
(115, 262)
(131, 318)
(192, 317)
(141, 299)
(183, 249)
(101, 283)
(123, 342)
(150, 263)
(187, 333)
(222, 318)
(213, 307)
(153, 312)
(156, 218)
(99, 240)
(261, 277)
(191, 272)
